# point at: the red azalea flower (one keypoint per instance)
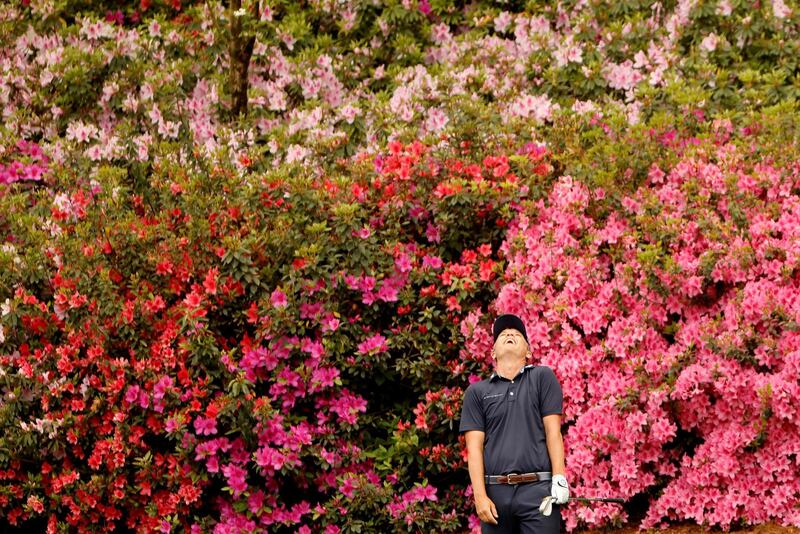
(428, 291)
(210, 281)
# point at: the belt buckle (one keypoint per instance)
(508, 479)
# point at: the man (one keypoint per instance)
(512, 425)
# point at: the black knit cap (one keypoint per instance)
(509, 320)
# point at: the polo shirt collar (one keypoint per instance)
(524, 368)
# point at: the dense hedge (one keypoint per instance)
(267, 321)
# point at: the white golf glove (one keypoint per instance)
(559, 489)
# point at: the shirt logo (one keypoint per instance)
(492, 396)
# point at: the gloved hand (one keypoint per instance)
(559, 489)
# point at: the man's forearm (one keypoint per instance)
(555, 448)
(476, 473)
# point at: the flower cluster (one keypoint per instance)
(29, 163)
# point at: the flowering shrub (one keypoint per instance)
(266, 322)
(669, 312)
(223, 349)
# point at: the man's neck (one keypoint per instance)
(509, 369)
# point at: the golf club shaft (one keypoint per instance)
(598, 499)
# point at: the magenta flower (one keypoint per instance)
(362, 233)
(373, 343)
(269, 458)
(403, 263)
(432, 233)
(278, 299)
(132, 394)
(255, 501)
(236, 477)
(434, 262)
(387, 292)
(348, 487)
(323, 377)
(424, 7)
(172, 424)
(205, 426)
(330, 323)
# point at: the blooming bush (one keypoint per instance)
(266, 322)
(224, 348)
(670, 314)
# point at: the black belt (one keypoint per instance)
(517, 478)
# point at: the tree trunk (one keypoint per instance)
(240, 53)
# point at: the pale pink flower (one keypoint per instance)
(154, 29)
(94, 153)
(440, 33)
(287, 39)
(622, 76)
(724, 8)
(348, 19)
(502, 22)
(568, 52)
(709, 43)
(349, 113)
(81, 132)
(168, 129)
(436, 121)
(780, 10)
(295, 153)
(582, 107)
(538, 107)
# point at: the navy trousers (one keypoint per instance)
(518, 508)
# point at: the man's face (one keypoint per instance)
(510, 344)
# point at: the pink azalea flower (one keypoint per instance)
(236, 477)
(502, 22)
(362, 233)
(709, 43)
(374, 343)
(205, 426)
(348, 487)
(278, 299)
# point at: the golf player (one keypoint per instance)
(512, 426)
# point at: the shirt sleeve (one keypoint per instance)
(551, 397)
(472, 412)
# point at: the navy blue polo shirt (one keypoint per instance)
(510, 412)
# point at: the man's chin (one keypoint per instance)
(509, 356)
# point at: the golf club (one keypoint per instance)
(546, 508)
